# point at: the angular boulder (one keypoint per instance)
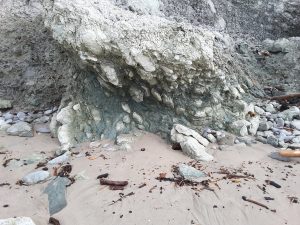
(21, 129)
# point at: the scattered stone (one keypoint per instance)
(21, 129)
(290, 113)
(21, 116)
(48, 112)
(279, 123)
(8, 116)
(262, 139)
(240, 127)
(43, 129)
(190, 173)
(60, 159)
(259, 110)
(254, 125)
(35, 177)
(272, 140)
(194, 149)
(56, 191)
(4, 126)
(5, 104)
(137, 118)
(248, 140)
(179, 133)
(294, 146)
(43, 119)
(225, 138)
(264, 126)
(270, 108)
(211, 138)
(296, 124)
(17, 221)
(95, 144)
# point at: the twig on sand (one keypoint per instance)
(257, 203)
(123, 196)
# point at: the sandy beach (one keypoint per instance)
(90, 203)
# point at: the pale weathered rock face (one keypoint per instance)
(144, 68)
(147, 64)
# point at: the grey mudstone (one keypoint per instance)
(56, 191)
(36, 177)
(190, 173)
(5, 104)
(21, 129)
(272, 140)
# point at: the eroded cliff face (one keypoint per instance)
(143, 71)
(33, 70)
(147, 65)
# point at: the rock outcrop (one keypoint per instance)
(120, 65)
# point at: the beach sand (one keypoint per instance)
(90, 203)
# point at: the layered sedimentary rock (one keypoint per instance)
(142, 71)
(147, 64)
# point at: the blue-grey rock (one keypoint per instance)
(190, 173)
(36, 177)
(56, 191)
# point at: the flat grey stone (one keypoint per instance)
(56, 191)
(190, 173)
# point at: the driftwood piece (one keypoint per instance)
(54, 221)
(273, 183)
(105, 175)
(254, 202)
(290, 153)
(113, 183)
(286, 97)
